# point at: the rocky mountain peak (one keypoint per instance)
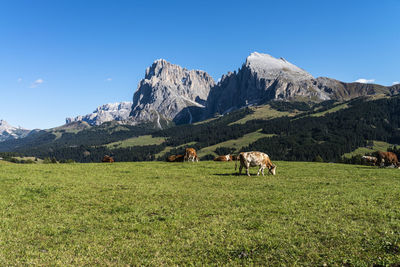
(171, 92)
(6, 127)
(269, 67)
(263, 78)
(156, 68)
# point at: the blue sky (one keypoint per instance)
(64, 58)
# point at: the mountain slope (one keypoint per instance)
(309, 133)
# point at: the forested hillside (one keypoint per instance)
(327, 130)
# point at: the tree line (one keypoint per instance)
(301, 138)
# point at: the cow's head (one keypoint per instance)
(272, 170)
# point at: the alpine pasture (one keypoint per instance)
(157, 213)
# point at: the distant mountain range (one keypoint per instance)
(8, 132)
(108, 112)
(170, 94)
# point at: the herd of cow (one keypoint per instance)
(382, 159)
(262, 160)
(246, 159)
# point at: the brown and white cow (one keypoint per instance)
(255, 158)
(107, 158)
(224, 158)
(190, 155)
(387, 158)
(175, 158)
(370, 160)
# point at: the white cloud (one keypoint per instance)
(365, 81)
(19, 80)
(108, 79)
(37, 83)
(394, 83)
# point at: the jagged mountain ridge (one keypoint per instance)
(9, 132)
(169, 92)
(108, 112)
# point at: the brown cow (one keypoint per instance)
(107, 158)
(255, 158)
(224, 158)
(175, 158)
(387, 159)
(190, 155)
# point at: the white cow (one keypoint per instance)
(255, 158)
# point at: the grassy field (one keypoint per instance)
(234, 143)
(336, 108)
(158, 213)
(264, 112)
(144, 140)
(377, 146)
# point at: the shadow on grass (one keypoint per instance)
(236, 174)
(228, 174)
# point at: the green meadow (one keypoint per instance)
(157, 213)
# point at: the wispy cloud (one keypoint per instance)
(396, 82)
(19, 80)
(108, 79)
(362, 80)
(37, 83)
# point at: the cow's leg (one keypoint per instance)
(240, 169)
(262, 171)
(259, 169)
(247, 170)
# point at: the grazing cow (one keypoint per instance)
(387, 158)
(369, 160)
(175, 158)
(224, 158)
(107, 158)
(190, 155)
(254, 158)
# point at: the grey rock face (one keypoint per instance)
(170, 92)
(8, 132)
(108, 112)
(261, 79)
(264, 78)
